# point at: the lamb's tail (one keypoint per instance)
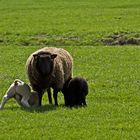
(18, 81)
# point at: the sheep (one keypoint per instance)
(75, 91)
(22, 94)
(48, 68)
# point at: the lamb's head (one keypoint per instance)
(44, 62)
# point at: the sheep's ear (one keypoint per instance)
(53, 56)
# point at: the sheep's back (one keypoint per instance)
(62, 67)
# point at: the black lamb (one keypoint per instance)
(75, 91)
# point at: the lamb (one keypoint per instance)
(75, 91)
(49, 68)
(22, 94)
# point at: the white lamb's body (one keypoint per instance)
(22, 94)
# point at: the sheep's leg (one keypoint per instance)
(4, 100)
(40, 93)
(55, 97)
(49, 96)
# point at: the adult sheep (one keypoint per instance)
(47, 68)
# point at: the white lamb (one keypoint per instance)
(22, 94)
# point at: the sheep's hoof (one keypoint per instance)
(50, 103)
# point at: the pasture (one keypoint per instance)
(92, 31)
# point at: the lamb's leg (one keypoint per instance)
(84, 102)
(4, 100)
(66, 100)
(40, 98)
(55, 96)
(49, 96)
(24, 102)
(18, 99)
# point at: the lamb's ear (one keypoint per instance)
(53, 56)
(35, 56)
(15, 83)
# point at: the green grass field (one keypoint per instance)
(83, 28)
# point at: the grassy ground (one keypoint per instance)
(67, 22)
(113, 100)
(113, 110)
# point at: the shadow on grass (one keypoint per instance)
(44, 108)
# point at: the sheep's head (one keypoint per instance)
(44, 63)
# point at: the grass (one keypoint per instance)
(113, 100)
(61, 22)
(83, 28)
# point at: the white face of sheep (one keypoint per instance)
(44, 63)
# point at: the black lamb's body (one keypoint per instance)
(75, 91)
